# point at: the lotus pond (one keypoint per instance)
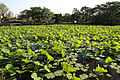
(60, 52)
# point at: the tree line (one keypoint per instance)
(103, 14)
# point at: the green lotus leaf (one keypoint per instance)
(49, 75)
(29, 50)
(92, 75)
(63, 54)
(1, 57)
(34, 76)
(67, 67)
(50, 57)
(96, 54)
(58, 73)
(88, 42)
(38, 63)
(83, 76)
(69, 76)
(20, 72)
(108, 75)
(100, 69)
(75, 78)
(84, 69)
(46, 68)
(108, 60)
(10, 45)
(78, 65)
(26, 60)
(20, 52)
(5, 50)
(19, 45)
(10, 68)
(97, 58)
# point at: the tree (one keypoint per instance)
(24, 15)
(57, 18)
(66, 17)
(75, 14)
(3, 12)
(38, 15)
(107, 14)
(3, 9)
(85, 13)
(47, 15)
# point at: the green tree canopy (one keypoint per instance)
(66, 17)
(38, 15)
(85, 12)
(75, 14)
(108, 13)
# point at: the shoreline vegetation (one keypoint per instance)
(102, 14)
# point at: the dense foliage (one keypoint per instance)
(105, 14)
(37, 15)
(60, 52)
(5, 14)
(102, 14)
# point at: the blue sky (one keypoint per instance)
(56, 6)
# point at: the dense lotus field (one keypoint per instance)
(60, 52)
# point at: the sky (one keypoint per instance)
(56, 6)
